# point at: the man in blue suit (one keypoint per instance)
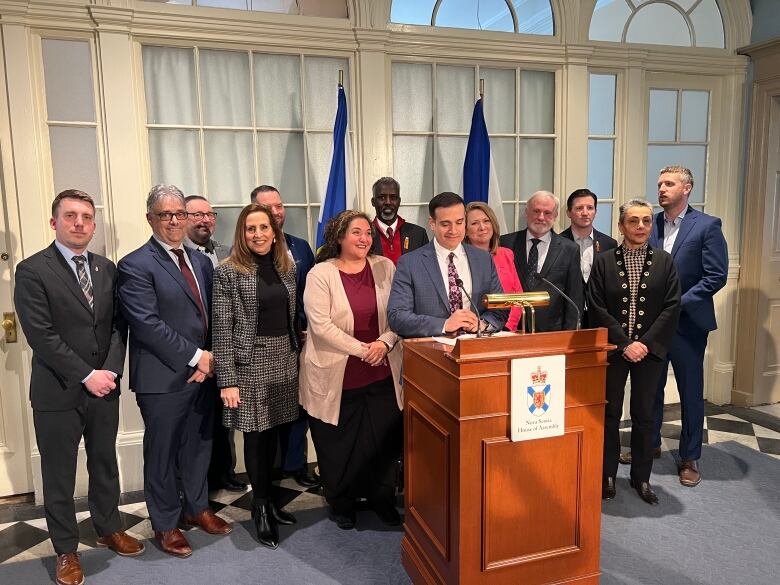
(427, 296)
(165, 296)
(292, 439)
(696, 243)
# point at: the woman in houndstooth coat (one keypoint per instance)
(256, 343)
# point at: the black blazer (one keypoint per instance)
(68, 338)
(604, 241)
(416, 235)
(562, 268)
(658, 300)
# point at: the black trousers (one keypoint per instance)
(644, 380)
(58, 435)
(222, 464)
(177, 451)
(259, 456)
(357, 457)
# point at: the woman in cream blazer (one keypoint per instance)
(351, 371)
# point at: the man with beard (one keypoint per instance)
(393, 235)
(201, 224)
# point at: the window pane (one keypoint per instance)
(175, 158)
(537, 165)
(454, 98)
(534, 17)
(603, 221)
(708, 24)
(67, 72)
(74, 160)
(499, 100)
(226, 224)
(694, 115)
(322, 80)
(295, 222)
(412, 97)
(693, 157)
(319, 148)
(413, 167)
(521, 222)
(601, 104)
(483, 15)
(280, 163)
(224, 88)
(503, 151)
(450, 153)
(169, 81)
(277, 80)
(235, 4)
(412, 12)
(600, 172)
(609, 19)
(98, 243)
(658, 24)
(537, 102)
(230, 168)
(663, 115)
(416, 214)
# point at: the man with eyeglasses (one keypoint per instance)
(541, 254)
(165, 296)
(201, 225)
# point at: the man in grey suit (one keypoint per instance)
(428, 295)
(542, 254)
(201, 224)
(65, 297)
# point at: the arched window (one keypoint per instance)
(531, 17)
(682, 23)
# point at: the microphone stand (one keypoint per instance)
(565, 296)
(459, 282)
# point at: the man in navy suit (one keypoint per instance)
(292, 439)
(696, 243)
(165, 295)
(427, 296)
(581, 210)
(540, 252)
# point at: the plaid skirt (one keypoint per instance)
(267, 386)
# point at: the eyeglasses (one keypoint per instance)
(168, 216)
(199, 215)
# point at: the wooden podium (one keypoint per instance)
(479, 507)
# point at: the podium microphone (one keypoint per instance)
(459, 282)
(565, 296)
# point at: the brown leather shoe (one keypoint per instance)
(173, 543)
(122, 544)
(625, 458)
(207, 520)
(69, 569)
(689, 473)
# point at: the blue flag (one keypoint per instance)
(335, 200)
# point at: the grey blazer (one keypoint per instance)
(234, 319)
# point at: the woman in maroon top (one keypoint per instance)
(350, 371)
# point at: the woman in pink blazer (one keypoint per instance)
(482, 232)
(351, 371)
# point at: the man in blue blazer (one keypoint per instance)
(165, 296)
(696, 243)
(427, 296)
(292, 439)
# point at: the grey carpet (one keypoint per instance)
(725, 531)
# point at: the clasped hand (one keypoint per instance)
(375, 352)
(461, 319)
(635, 352)
(100, 383)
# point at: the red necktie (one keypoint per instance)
(390, 236)
(190, 278)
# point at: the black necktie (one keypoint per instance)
(81, 273)
(533, 262)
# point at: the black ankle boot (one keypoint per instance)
(265, 524)
(280, 515)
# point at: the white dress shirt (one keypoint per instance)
(382, 226)
(461, 265)
(586, 253)
(542, 247)
(671, 228)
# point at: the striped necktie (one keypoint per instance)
(83, 278)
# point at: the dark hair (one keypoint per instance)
(261, 189)
(335, 230)
(386, 181)
(70, 194)
(243, 258)
(189, 198)
(581, 193)
(445, 199)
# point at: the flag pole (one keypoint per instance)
(481, 88)
(341, 78)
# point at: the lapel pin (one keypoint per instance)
(97, 268)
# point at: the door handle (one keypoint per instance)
(9, 324)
